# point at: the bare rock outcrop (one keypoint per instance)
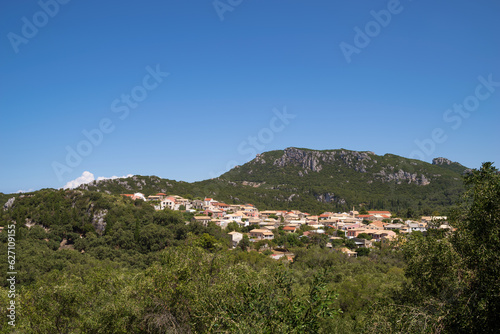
(9, 203)
(402, 176)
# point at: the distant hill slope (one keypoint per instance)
(315, 181)
(453, 166)
(145, 184)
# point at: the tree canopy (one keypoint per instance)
(455, 279)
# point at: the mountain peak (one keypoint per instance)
(446, 163)
(441, 161)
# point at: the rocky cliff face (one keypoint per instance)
(314, 160)
(98, 221)
(451, 165)
(9, 203)
(441, 161)
(308, 160)
(330, 198)
(400, 177)
(362, 162)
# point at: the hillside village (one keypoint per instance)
(152, 249)
(361, 229)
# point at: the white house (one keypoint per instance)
(237, 217)
(235, 238)
(210, 203)
(169, 203)
(422, 227)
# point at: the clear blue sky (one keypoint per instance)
(227, 76)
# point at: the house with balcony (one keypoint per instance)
(261, 234)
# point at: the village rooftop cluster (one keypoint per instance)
(377, 225)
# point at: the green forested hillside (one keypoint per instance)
(92, 262)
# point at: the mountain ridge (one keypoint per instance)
(317, 180)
